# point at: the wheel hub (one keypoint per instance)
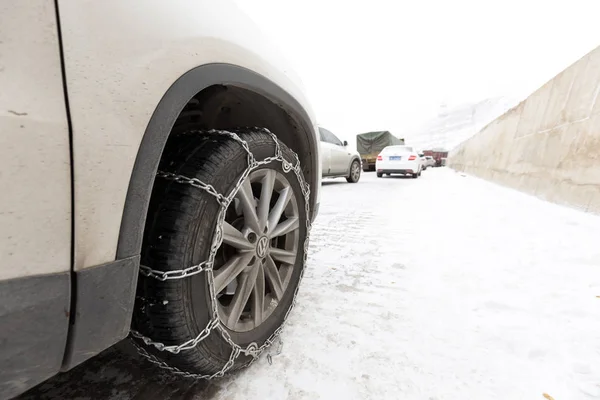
(262, 247)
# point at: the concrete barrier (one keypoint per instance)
(549, 144)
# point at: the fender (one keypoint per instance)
(354, 158)
(159, 128)
(107, 292)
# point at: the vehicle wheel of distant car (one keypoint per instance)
(420, 171)
(416, 175)
(379, 174)
(263, 247)
(388, 174)
(354, 172)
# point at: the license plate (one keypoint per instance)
(395, 158)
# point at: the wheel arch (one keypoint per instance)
(354, 157)
(298, 135)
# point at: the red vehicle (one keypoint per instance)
(437, 155)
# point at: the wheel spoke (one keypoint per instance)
(274, 278)
(234, 238)
(285, 227)
(284, 198)
(248, 205)
(265, 197)
(285, 256)
(258, 297)
(241, 296)
(231, 269)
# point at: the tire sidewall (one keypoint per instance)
(352, 164)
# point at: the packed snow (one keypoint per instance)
(442, 287)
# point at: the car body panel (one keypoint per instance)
(35, 205)
(338, 159)
(115, 51)
(35, 211)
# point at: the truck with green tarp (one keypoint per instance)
(370, 144)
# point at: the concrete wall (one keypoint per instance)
(548, 145)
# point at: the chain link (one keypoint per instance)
(253, 350)
(177, 274)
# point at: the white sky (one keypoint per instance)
(385, 64)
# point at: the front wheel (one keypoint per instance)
(256, 268)
(354, 172)
(379, 174)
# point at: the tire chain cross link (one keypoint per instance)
(252, 349)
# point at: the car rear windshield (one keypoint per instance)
(398, 149)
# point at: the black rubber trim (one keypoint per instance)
(159, 127)
(34, 321)
(103, 309)
(395, 171)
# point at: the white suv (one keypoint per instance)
(337, 160)
(130, 192)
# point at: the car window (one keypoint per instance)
(329, 137)
(322, 135)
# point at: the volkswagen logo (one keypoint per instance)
(262, 246)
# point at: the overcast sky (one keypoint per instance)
(389, 64)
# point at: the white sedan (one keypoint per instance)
(399, 160)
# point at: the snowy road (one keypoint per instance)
(443, 287)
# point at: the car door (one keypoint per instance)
(35, 204)
(325, 153)
(339, 155)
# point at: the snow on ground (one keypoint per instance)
(444, 287)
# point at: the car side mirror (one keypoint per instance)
(345, 143)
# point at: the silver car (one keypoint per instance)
(337, 160)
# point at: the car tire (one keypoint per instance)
(415, 176)
(388, 174)
(354, 172)
(379, 174)
(179, 232)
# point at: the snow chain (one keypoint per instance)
(252, 349)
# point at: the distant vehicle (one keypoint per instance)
(370, 144)
(423, 161)
(337, 160)
(404, 160)
(437, 155)
(429, 162)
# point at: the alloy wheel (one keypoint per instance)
(261, 239)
